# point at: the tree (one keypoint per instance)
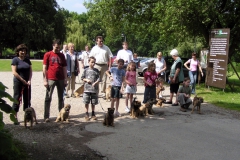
(34, 22)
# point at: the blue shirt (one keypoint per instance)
(23, 68)
(117, 75)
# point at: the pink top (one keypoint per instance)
(131, 77)
(150, 77)
(193, 64)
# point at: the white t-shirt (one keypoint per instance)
(126, 55)
(85, 56)
(159, 65)
(102, 54)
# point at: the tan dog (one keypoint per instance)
(108, 93)
(158, 90)
(79, 91)
(109, 118)
(29, 116)
(64, 113)
(134, 110)
(160, 102)
(197, 103)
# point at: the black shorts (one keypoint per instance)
(174, 87)
(115, 92)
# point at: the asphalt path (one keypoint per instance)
(168, 134)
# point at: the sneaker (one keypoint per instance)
(127, 110)
(117, 114)
(94, 117)
(47, 120)
(87, 118)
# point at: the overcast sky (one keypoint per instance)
(72, 5)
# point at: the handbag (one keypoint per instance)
(76, 67)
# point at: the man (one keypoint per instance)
(85, 56)
(125, 54)
(54, 74)
(103, 61)
(176, 76)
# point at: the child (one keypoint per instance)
(117, 79)
(131, 82)
(91, 78)
(150, 79)
(184, 94)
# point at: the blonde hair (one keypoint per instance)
(135, 54)
(70, 44)
(159, 54)
(131, 64)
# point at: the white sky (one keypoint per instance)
(72, 5)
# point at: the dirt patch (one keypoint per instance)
(60, 141)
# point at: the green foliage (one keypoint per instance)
(10, 149)
(4, 106)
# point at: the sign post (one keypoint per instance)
(218, 58)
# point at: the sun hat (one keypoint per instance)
(174, 52)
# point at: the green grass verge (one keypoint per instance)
(6, 65)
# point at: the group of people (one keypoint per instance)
(60, 69)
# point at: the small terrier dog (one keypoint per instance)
(197, 103)
(108, 93)
(29, 116)
(109, 118)
(160, 102)
(134, 110)
(79, 91)
(64, 113)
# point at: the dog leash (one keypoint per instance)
(101, 105)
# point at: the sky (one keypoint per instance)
(72, 5)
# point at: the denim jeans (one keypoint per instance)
(193, 78)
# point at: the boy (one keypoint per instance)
(184, 94)
(91, 78)
(117, 78)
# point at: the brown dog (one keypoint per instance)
(134, 110)
(158, 90)
(109, 118)
(160, 102)
(108, 93)
(64, 113)
(149, 106)
(197, 103)
(29, 116)
(79, 91)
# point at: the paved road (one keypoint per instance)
(169, 134)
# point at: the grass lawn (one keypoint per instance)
(6, 65)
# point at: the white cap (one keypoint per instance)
(174, 52)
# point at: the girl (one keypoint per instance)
(131, 82)
(160, 69)
(150, 80)
(194, 64)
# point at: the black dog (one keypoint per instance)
(150, 103)
(135, 105)
(109, 118)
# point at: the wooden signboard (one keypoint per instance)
(218, 58)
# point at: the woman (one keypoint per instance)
(194, 63)
(22, 71)
(160, 69)
(73, 64)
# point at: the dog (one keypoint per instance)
(64, 113)
(160, 102)
(197, 103)
(108, 93)
(109, 118)
(134, 110)
(79, 91)
(149, 105)
(29, 116)
(158, 90)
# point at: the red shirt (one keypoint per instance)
(150, 77)
(55, 63)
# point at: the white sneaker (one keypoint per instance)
(160, 96)
(117, 114)
(127, 110)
